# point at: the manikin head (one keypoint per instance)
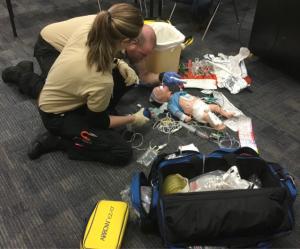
(161, 94)
(142, 46)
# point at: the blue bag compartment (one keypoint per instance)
(139, 179)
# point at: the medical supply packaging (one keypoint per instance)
(251, 216)
(106, 225)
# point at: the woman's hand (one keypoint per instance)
(139, 118)
(127, 73)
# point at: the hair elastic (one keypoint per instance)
(109, 15)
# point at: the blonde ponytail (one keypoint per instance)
(110, 27)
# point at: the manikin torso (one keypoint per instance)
(187, 102)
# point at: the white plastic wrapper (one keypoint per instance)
(220, 180)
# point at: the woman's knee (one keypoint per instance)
(105, 146)
(121, 155)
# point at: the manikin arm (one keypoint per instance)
(175, 110)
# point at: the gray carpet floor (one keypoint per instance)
(44, 203)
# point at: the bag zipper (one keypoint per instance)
(224, 194)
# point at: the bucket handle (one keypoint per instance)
(187, 42)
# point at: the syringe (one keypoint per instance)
(194, 130)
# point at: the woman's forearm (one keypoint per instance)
(116, 121)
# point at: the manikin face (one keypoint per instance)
(161, 94)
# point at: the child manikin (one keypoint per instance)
(185, 107)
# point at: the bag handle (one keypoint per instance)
(243, 150)
(231, 156)
(285, 178)
(247, 151)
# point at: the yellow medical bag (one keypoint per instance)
(106, 225)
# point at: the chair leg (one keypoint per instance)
(160, 6)
(212, 17)
(11, 17)
(145, 7)
(151, 8)
(99, 4)
(174, 7)
(141, 5)
(236, 12)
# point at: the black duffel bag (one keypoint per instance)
(230, 218)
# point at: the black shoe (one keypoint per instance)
(31, 84)
(25, 66)
(44, 143)
(13, 74)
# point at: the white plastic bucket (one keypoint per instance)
(165, 57)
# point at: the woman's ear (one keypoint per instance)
(125, 43)
(132, 43)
